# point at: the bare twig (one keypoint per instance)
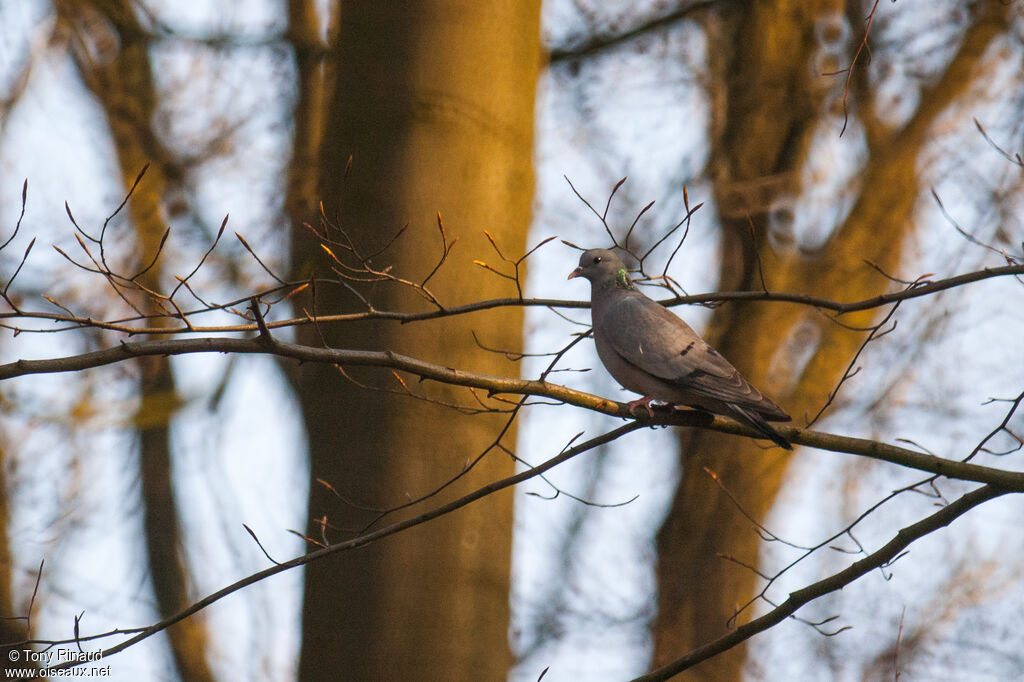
(849, 70)
(1015, 158)
(21, 215)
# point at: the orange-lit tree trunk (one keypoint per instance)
(771, 101)
(434, 103)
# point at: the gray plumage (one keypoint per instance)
(650, 351)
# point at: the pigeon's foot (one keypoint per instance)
(644, 402)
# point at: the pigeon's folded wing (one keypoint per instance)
(650, 337)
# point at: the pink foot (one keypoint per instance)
(644, 402)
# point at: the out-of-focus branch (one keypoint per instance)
(596, 44)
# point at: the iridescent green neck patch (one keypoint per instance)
(622, 279)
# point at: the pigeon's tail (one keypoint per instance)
(757, 422)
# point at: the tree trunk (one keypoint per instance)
(434, 103)
(119, 75)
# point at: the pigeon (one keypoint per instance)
(650, 351)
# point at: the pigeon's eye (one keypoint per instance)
(597, 259)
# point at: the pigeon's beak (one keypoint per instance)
(575, 273)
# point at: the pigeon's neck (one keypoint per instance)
(620, 281)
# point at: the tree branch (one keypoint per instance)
(494, 385)
(797, 599)
(122, 325)
(360, 541)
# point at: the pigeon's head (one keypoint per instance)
(602, 267)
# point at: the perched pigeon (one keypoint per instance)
(649, 350)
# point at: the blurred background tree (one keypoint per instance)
(813, 132)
